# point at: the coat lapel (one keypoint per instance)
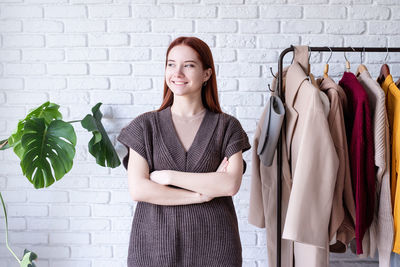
(296, 75)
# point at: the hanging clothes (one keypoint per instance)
(343, 214)
(309, 168)
(312, 156)
(380, 233)
(361, 153)
(263, 195)
(394, 260)
(393, 110)
(271, 129)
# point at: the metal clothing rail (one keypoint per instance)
(279, 152)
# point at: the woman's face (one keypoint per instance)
(184, 72)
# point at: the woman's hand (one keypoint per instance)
(163, 177)
(160, 177)
(204, 198)
(221, 168)
(223, 165)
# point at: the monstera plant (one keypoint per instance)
(45, 145)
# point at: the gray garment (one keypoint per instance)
(194, 235)
(394, 260)
(271, 129)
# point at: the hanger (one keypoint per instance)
(269, 88)
(269, 85)
(385, 71)
(272, 73)
(311, 77)
(292, 47)
(326, 69)
(347, 62)
(361, 68)
(309, 66)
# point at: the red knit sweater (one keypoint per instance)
(361, 153)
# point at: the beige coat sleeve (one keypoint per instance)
(314, 175)
(256, 209)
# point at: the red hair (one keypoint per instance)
(209, 94)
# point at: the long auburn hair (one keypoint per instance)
(209, 94)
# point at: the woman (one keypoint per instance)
(185, 164)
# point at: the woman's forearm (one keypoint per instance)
(213, 184)
(225, 181)
(142, 189)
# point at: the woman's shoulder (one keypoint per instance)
(228, 119)
(143, 120)
(146, 116)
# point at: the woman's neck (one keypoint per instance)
(186, 108)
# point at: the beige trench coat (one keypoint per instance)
(309, 169)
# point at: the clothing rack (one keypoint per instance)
(279, 152)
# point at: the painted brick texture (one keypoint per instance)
(80, 52)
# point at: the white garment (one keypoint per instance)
(380, 233)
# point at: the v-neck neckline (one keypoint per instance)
(175, 133)
(186, 159)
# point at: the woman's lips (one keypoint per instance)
(179, 82)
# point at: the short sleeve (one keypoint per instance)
(237, 139)
(132, 136)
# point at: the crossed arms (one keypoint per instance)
(194, 187)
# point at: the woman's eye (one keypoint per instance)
(189, 65)
(170, 64)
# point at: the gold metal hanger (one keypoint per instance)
(326, 69)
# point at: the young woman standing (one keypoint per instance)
(184, 165)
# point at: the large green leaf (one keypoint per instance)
(27, 260)
(100, 145)
(48, 111)
(43, 145)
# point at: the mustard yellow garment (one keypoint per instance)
(393, 109)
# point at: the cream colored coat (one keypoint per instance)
(309, 169)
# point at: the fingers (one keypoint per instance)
(204, 198)
(223, 165)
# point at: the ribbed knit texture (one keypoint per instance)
(361, 153)
(381, 230)
(393, 111)
(195, 235)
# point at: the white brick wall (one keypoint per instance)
(80, 52)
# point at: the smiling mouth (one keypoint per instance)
(179, 83)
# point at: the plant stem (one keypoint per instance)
(73, 121)
(3, 144)
(5, 215)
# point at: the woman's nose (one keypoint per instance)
(178, 72)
